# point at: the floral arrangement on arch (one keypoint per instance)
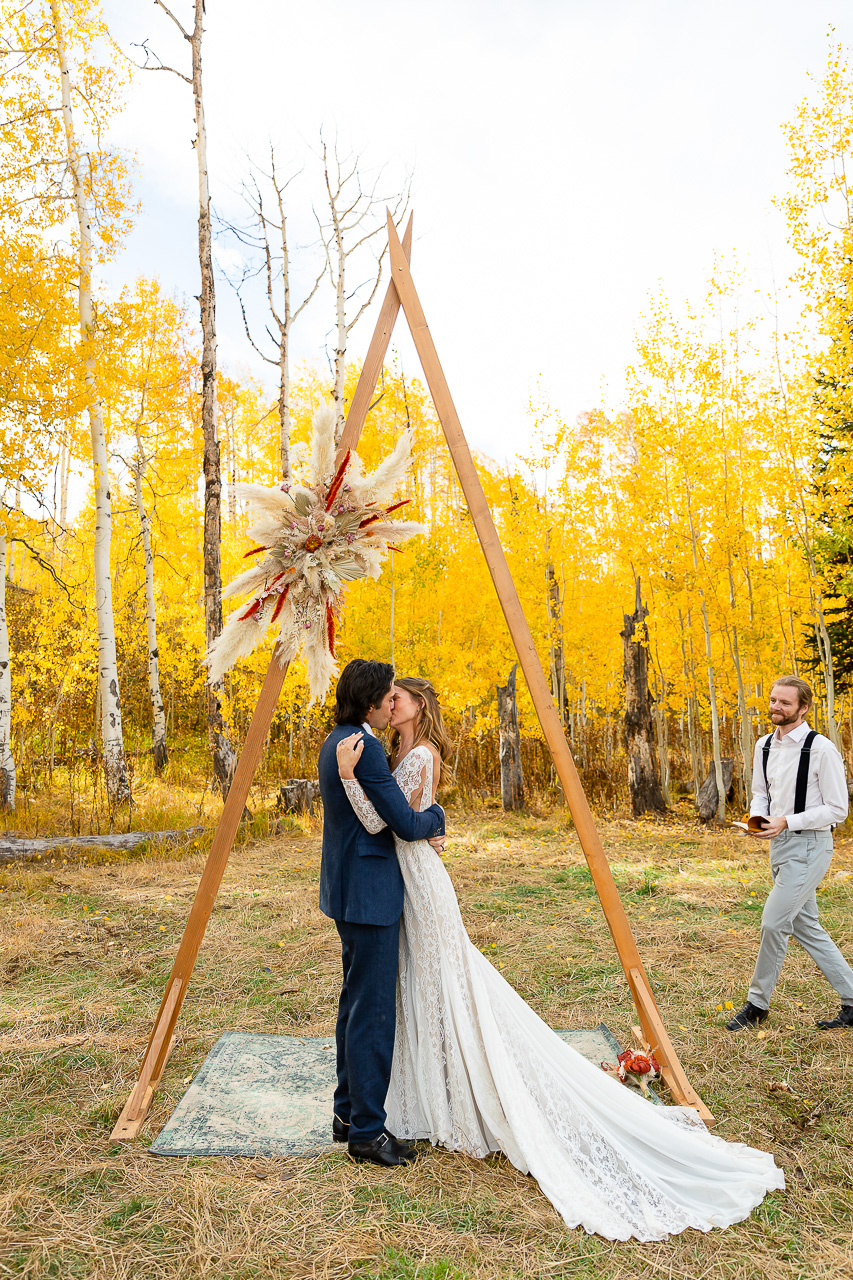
(314, 538)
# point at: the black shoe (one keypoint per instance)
(844, 1019)
(750, 1016)
(384, 1150)
(404, 1149)
(340, 1129)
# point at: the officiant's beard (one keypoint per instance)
(784, 717)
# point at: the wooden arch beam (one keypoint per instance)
(161, 1040)
(401, 292)
(620, 928)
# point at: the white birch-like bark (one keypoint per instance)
(158, 711)
(712, 685)
(746, 740)
(222, 754)
(115, 771)
(8, 775)
(284, 314)
(350, 207)
(696, 761)
(224, 760)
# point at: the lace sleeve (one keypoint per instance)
(364, 810)
(415, 771)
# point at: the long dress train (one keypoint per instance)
(476, 1070)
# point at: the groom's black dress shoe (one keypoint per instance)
(340, 1129)
(844, 1019)
(750, 1016)
(384, 1150)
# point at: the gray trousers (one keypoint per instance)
(799, 860)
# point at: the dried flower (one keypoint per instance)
(286, 585)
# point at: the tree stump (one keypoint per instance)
(512, 779)
(708, 798)
(643, 772)
(297, 796)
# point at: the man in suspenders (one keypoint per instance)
(799, 787)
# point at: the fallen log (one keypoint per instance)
(13, 849)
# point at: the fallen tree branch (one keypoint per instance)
(26, 850)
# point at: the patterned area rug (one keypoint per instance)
(259, 1095)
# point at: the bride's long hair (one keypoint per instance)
(430, 724)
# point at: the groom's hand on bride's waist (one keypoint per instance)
(438, 842)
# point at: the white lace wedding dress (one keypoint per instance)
(476, 1070)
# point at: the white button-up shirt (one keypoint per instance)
(826, 794)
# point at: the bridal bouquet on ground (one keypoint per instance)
(634, 1068)
(314, 538)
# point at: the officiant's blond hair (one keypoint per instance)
(430, 726)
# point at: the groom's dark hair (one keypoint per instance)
(363, 684)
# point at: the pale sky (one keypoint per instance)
(570, 158)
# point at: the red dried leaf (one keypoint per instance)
(252, 609)
(256, 551)
(330, 629)
(337, 481)
(280, 603)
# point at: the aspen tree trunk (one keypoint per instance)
(8, 775)
(63, 490)
(512, 778)
(558, 664)
(224, 760)
(158, 731)
(661, 733)
(284, 412)
(824, 648)
(745, 738)
(643, 775)
(712, 688)
(715, 718)
(340, 320)
(115, 771)
(689, 669)
(283, 313)
(285, 426)
(63, 499)
(231, 452)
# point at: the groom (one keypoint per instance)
(361, 889)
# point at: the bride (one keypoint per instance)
(476, 1070)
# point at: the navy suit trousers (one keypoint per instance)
(367, 1014)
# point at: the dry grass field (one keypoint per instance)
(85, 947)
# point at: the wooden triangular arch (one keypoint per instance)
(651, 1031)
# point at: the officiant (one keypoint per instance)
(799, 790)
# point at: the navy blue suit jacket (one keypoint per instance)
(360, 878)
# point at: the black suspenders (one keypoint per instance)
(802, 769)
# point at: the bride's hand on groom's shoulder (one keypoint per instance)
(349, 752)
